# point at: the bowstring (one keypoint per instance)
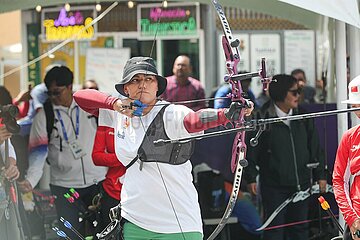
(143, 126)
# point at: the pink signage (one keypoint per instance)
(64, 20)
(156, 13)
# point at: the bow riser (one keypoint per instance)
(232, 58)
(238, 151)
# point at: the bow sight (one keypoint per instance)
(8, 114)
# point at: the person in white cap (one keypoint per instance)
(158, 198)
(347, 165)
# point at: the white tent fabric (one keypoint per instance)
(306, 12)
(343, 10)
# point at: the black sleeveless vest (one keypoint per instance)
(174, 154)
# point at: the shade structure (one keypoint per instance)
(305, 12)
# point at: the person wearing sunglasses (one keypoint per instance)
(308, 92)
(90, 84)
(280, 160)
(67, 147)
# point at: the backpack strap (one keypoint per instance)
(50, 117)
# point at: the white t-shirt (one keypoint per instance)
(281, 113)
(66, 171)
(144, 199)
(11, 151)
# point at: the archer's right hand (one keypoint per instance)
(129, 107)
(123, 106)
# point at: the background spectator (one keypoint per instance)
(67, 147)
(182, 87)
(281, 157)
(308, 92)
(90, 84)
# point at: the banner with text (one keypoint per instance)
(174, 21)
(59, 24)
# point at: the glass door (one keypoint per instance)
(140, 48)
(173, 48)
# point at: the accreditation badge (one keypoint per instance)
(76, 149)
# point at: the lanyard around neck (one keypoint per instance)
(63, 125)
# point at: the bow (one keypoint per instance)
(238, 161)
(296, 197)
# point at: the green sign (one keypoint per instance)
(177, 20)
(109, 42)
(33, 32)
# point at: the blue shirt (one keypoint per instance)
(223, 91)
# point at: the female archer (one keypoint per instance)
(158, 198)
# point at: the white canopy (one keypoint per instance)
(306, 12)
(343, 10)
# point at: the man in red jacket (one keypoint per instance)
(347, 166)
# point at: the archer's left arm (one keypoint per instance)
(209, 118)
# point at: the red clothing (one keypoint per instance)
(104, 155)
(347, 163)
(23, 108)
(191, 91)
(193, 122)
(91, 100)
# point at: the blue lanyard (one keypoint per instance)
(63, 125)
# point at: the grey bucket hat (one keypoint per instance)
(144, 65)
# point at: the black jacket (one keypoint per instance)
(283, 152)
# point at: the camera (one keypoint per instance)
(8, 114)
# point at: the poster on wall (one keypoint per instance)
(299, 51)
(105, 66)
(244, 50)
(268, 46)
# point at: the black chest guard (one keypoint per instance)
(174, 154)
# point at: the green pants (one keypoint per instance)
(133, 232)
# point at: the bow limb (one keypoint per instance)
(232, 200)
(276, 212)
(296, 197)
